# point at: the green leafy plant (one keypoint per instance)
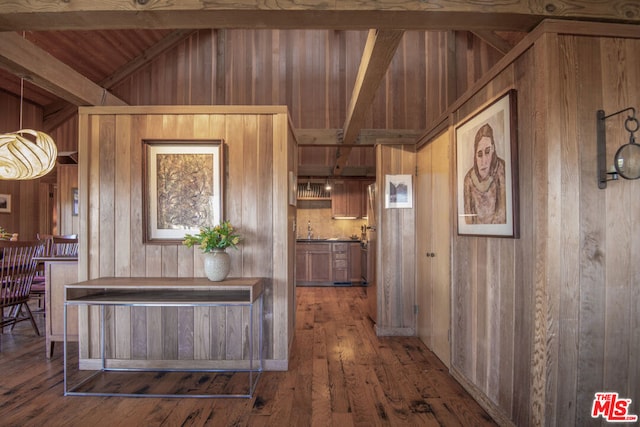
(4, 234)
(208, 239)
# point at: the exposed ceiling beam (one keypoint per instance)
(289, 14)
(327, 171)
(26, 60)
(378, 52)
(366, 137)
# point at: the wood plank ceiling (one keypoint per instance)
(69, 54)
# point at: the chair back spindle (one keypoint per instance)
(63, 246)
(17, 268)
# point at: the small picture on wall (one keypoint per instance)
(398, 191)
(5, 203)
(74, 201)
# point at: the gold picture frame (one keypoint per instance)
(182, 188)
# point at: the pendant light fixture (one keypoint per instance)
(22, 158)
(27, 153)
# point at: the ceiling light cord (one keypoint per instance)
(26, 153)
(21, 96)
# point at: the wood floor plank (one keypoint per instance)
(340, 374)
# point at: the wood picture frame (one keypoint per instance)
(398, 191)
(182, 188)
(5, 203)
(75, 199)
(487, 169)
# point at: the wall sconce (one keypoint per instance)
(327, 186)
(626, 162)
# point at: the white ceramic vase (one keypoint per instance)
(217, 265)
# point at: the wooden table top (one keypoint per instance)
(164, 290)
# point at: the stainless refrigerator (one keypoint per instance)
(372, 246)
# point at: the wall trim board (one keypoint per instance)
(493, 410)
(395, 332)
(275, 365)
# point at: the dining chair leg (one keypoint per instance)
(16, 317)
(14, 313)
(33, 321)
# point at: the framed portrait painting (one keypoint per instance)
(182, 188)
(487, 170)
(398, 191)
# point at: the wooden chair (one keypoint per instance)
(17, 268)
(64, 246)
(38, 283)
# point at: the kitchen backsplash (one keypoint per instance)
(323, 226)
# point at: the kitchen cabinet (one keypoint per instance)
(301, 264)
(355, 265)
(349, 198)
(328, 262)
(340, 257)
(313, 262)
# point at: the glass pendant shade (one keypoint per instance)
(26, 154)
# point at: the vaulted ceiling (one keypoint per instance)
(103, 40)
(61, 55)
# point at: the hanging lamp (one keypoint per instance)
(26, 154)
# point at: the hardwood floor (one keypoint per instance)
(340, 374)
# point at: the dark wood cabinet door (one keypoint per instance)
(319, 265)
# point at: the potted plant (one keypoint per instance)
(213, 242)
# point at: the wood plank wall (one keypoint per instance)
(395, 258)
(66, 135)
(258, 152)
(25, 207)
(543, 322)
(593, 292)
(312, 72)
(68, 222)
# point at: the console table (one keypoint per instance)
(104, 296)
